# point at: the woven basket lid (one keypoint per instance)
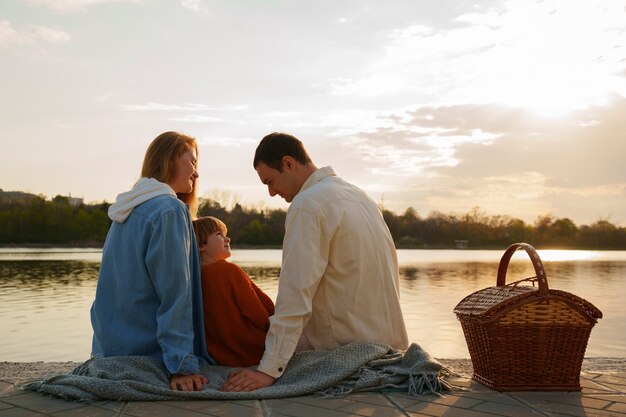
(488, 302)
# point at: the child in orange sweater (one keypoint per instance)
(236, 311)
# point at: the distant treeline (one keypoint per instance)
(483, 231)
(60, 221)
(35, 220)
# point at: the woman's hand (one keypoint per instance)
(191, 382)
(243, 380)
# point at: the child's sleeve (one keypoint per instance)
(265, 299)
(251, 301)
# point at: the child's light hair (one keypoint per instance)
(205, 226)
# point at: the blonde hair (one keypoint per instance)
(207, 225)
(158, 162)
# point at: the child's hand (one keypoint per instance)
(191, 382)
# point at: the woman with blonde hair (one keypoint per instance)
(148, 298)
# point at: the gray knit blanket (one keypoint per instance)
(354, 367)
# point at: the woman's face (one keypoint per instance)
(185, 168)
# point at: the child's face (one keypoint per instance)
(216, 247)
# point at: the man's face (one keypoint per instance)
(283, 183)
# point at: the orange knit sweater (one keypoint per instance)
(236, 315)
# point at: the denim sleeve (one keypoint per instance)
(167, 261)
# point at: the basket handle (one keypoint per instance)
(534, 257)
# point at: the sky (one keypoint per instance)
(515, 107)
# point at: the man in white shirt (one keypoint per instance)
(339, 278)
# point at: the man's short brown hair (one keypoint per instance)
(275, 146)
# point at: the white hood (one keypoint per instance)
(143, 190)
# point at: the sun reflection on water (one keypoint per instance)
(559, 255)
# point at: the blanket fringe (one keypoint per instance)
(415, 384)
(425, 383)
(33, 386)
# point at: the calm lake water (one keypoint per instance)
(45, 295)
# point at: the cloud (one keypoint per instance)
(185, 108)
(479, 128)
(152, 106)
(196, 118)
(582, 150)
(62, 126)
(31, 35)
(369, 86)
(520, 194)
(526, 54)
(413, 142)
(104, 97)
(8, 34)
(280, 114)
(197, 6)
(51, 35)
(504, 159)
(73, 6)
(224, 142)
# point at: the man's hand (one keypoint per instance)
(243, 380)
(191, 382)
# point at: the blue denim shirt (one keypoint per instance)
(148, 298)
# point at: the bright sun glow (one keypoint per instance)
(551, 57)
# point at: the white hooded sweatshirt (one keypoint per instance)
(143, 190)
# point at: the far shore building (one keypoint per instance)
(461, 244)
(74, 201)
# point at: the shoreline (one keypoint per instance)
(96, 246)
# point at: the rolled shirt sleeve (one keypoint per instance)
(303, 266)
(167, 261)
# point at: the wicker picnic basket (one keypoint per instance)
(526, 338)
